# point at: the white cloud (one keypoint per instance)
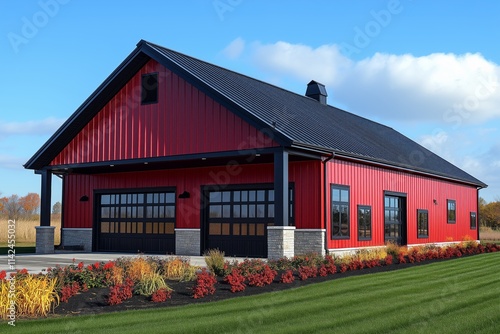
(446, 88)
(234, 49)
(42, 127)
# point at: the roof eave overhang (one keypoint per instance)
(384, 164)
(407, 169)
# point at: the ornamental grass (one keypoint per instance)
(33, 295)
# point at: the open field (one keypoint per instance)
(25, 231)
(489, 235)
(454, 296)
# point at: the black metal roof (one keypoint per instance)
(294, 120)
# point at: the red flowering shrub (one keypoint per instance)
(108, 266)
(323, 271)
(236, 280)
(307, 271)
(287, 277)
(3, 274)
(356, 264)
(388, 260)
(263, 277)
(69, 291)
(205, 284)
(343, 267)
(161, 295)
(330, 266)
(120, 292)
(401, 258)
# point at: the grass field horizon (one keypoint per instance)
(454, 296)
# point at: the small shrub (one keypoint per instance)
(323, 271)
(214, 259)
(263, 277)
(307, 271)
(287, 277)
(69, 291)
(161, 295)
(236, 280)
(205, 284)
(388, 260)
(330, 266)
(120, 292)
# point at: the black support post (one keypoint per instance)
(46, 197)
(281, 191)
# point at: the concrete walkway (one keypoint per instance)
(37, 263)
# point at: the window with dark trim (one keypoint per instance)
(422, 223)
(340, 212)
(473, 221)
(149, 92)
(364, 222)
(452, 211)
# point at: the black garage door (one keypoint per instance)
(236, 220)
(136, 222)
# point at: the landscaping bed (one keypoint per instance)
(134, 283)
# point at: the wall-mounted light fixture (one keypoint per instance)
(185, 194)
(84, 198)
(435, 201)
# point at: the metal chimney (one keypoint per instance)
(316, 91)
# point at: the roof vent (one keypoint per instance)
(316, 91)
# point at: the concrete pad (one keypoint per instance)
(38, 263)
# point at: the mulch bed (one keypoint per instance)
(94, 301)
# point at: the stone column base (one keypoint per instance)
(45, 239)
(187, 241)
(77, 237)
(280, 242)
(309, 241)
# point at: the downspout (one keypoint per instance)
(325, 174)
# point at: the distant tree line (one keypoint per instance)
(489, 214)
(25, 207)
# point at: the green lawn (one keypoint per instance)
(456, 296)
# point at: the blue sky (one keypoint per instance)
(428, 69)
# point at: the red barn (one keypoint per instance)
(175, 155)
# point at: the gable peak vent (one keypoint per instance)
(316, 91)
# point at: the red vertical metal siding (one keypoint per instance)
(184, 121)
(367, 185)
(303, 174)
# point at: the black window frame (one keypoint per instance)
(451, 214)
(363, 227)
(473, 221)
(149, 92)
(420, 231)
(333, 236)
